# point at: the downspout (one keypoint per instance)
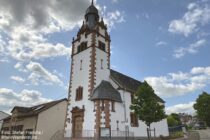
(125, 115)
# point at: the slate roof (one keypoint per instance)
(105, 91)
(34, 110)
(127, 83)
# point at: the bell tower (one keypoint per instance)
(90, 64)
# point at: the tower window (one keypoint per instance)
(79, 93)
(134, 120)
(82, 47)
(101, 63)
(80, 64)
(101, 45)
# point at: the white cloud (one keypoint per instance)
(200, 70)
(2, 44)
(111, 18)
(28, 24)
(19, 66)
(4, 60)
(197, 15)
(192, 49)
(9, 98)
(115, 1)
(17, 79)
(161, 43)
(180, 83)
(40, 75)
(181, 108)
(27, 45)
(47, 16)
(58, 73)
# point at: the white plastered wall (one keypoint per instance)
(51, 121)
(161, 127)
(81, 78)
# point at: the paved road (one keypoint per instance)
(204, 134)
(193, 135)
(197, 135)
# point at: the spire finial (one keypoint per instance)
(92, 2)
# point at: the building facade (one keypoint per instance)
(41, 122)
(99, 97)
(2, 116)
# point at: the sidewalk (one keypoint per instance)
(192, 135)
(181, 139)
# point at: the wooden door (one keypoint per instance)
(77, 132)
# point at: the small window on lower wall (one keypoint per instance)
(102, 105)
(134, 120)
(95, 104)
(113, 106)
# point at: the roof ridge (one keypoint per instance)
(45, 106)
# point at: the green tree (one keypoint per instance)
(172, 121)
(202, 106)
(177, 118)
(147, 106)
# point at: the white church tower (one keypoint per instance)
(99, 97)
(90, 64)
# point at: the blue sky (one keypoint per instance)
(161, 41)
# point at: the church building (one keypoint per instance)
(99, 97)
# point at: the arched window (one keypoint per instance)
(79, 93)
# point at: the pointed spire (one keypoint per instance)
(92, 3)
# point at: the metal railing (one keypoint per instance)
(115, 133)
(93, 134)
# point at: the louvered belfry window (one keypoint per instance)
(79, 93)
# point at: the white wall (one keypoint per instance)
(161, 127)
(81, 78)
(51, 120)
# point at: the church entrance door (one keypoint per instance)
(77, 132)
(77, 122)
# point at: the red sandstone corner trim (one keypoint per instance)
(92, 70)
(107, 113)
